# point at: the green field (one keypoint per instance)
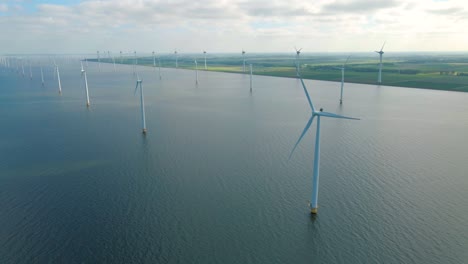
(443, 71)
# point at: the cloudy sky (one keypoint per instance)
(74, 26)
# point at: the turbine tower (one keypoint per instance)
(379, 80)
(342, 68)
(175, 53)
(204, 53)
(142, 103)
(298, 52)
(314, 202)
(196, 72)
(250, 65)
(42, 76)
(121, 57)
(85, 79)
(58, 78)
(99, 60)
(243, 58)
(30, 71)
(154, 61)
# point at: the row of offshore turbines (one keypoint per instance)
(18, 63)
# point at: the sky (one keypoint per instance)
(191, 26)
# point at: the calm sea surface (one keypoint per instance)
(211, 181)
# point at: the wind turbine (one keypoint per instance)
(58, 78)
(243, 58)
(83, 75)
(42, 76)
(342, 68)
(204, 53)
(298, 52)
(196, 72)
(250, 65)
(314, 203)
(176, 65)
(154, 61)
(142, 103)
(379, 80)
(99, 60)
(159, 62)
(22, 66)
(120, 57)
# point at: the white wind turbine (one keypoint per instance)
(154, 61)
(204, 53)
(250, 65)
(159, 63)
(298, 52)
(42, 76)
(99, 60)
(142, 102)
(314, 202)
(379, 80)
(121, 57)
(58, 78)
(85, 79)
(135, 62)
(243, 58)
(176, 64)
(196, 72)
(342, 68)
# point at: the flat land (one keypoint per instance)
(439, 71)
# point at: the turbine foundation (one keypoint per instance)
(144, 131)
(313, 210)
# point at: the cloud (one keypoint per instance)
(224, 25)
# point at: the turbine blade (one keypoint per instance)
(383, 45)
(136, 88)
(327, 114)
(302, 134)
(347, 60)
(300, 49)
(307, 94)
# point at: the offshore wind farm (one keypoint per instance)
(162, 132)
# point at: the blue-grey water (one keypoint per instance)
(211, 181)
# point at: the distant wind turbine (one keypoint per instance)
(22, 67)
(42, 76)
(85, 79)
(121, 57)
(298, 68)
(204, 53)
(58, 78)
(314, 202)
(243, 58)
(379, 80)
(342, 68)
(154, 61)
(159, 63)
(196, 72)
(142, 102)
(176, 64)
(250, 65)
(99, 60)
(30, 71)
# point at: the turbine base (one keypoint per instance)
(144, 131)
(313, 210)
